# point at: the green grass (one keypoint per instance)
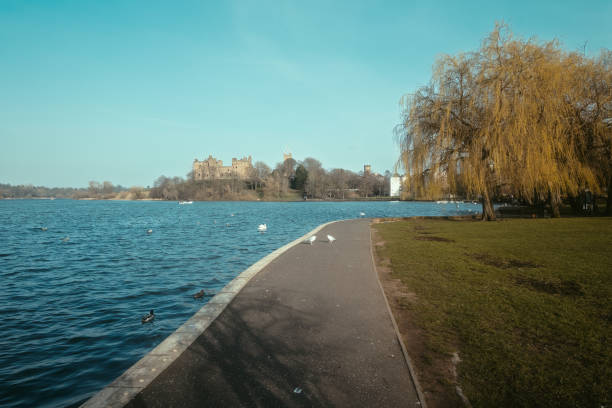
(526, 303)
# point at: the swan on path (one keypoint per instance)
(310, 240)
(262, 227)
(330, 239)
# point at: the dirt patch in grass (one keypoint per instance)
(562, 287)
(433, 238)
(437, 376)
(503, 263)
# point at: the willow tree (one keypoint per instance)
(590, 111)
(496, 120)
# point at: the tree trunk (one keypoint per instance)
(609, 201)
(488, 212)
(575, 204)
(554, 204)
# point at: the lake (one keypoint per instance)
(77, 276)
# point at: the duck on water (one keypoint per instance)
(148, 318)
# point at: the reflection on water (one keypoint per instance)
(77, 276)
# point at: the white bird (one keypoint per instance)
(362, 214)
(310, 240)
(150, 231)
(330, 239)
(262, 227)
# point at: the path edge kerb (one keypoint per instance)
(136, 378)
(407, 359)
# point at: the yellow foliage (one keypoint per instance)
(515, 115)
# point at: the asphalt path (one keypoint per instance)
(310, 329)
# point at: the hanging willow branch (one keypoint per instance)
(515, 117)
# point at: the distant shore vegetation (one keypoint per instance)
(287, 181)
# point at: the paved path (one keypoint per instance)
(313, 320)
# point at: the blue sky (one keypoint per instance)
(126, 91)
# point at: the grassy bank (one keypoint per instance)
(524, 306)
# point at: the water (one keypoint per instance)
(71, 297)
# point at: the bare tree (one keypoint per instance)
(94, 188)
(262, 172)
(107, 188)
(339, 182)
(315, 182)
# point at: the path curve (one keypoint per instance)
(310, 327)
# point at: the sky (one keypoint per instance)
(126, 91)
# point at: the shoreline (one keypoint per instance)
(124, 389)
(195, 365)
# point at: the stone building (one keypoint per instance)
(212, 168)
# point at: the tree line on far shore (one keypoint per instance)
(514, 119)
(290, 180)
(95, 190)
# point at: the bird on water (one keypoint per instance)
(330, 239)
(262, 227)
(199, 295)
(148, 318)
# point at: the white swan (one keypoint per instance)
(262, 227)
(310, 240)
(330, 239)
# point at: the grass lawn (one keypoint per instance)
(526, 305)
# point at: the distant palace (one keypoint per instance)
(212, 168)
